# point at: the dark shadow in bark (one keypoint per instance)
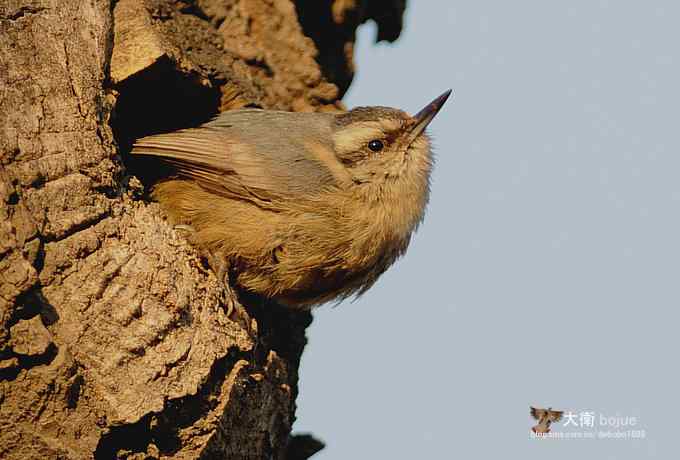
(159, 99)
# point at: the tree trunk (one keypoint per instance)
(114, 339)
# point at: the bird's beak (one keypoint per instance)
(425, 116)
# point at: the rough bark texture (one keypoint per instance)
(114, 340)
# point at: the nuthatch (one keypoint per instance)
(302, 208)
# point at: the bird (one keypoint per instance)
(545, 417)
(299, 208)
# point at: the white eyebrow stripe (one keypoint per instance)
(349, 139)
(353, 136)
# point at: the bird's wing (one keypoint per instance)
(555, 415)
(537, 413)
(222, 163)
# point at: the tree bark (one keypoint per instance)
(114, 339)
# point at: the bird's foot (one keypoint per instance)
(235, 311)
(185, 228)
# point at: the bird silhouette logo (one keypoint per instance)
(545, 417)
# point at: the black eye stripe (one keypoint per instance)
(376, 145)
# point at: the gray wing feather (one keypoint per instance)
(243, 162)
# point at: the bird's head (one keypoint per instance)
(380, 145)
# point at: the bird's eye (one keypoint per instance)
(376, 145)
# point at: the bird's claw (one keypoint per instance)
(184, 227)
(235, 311)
